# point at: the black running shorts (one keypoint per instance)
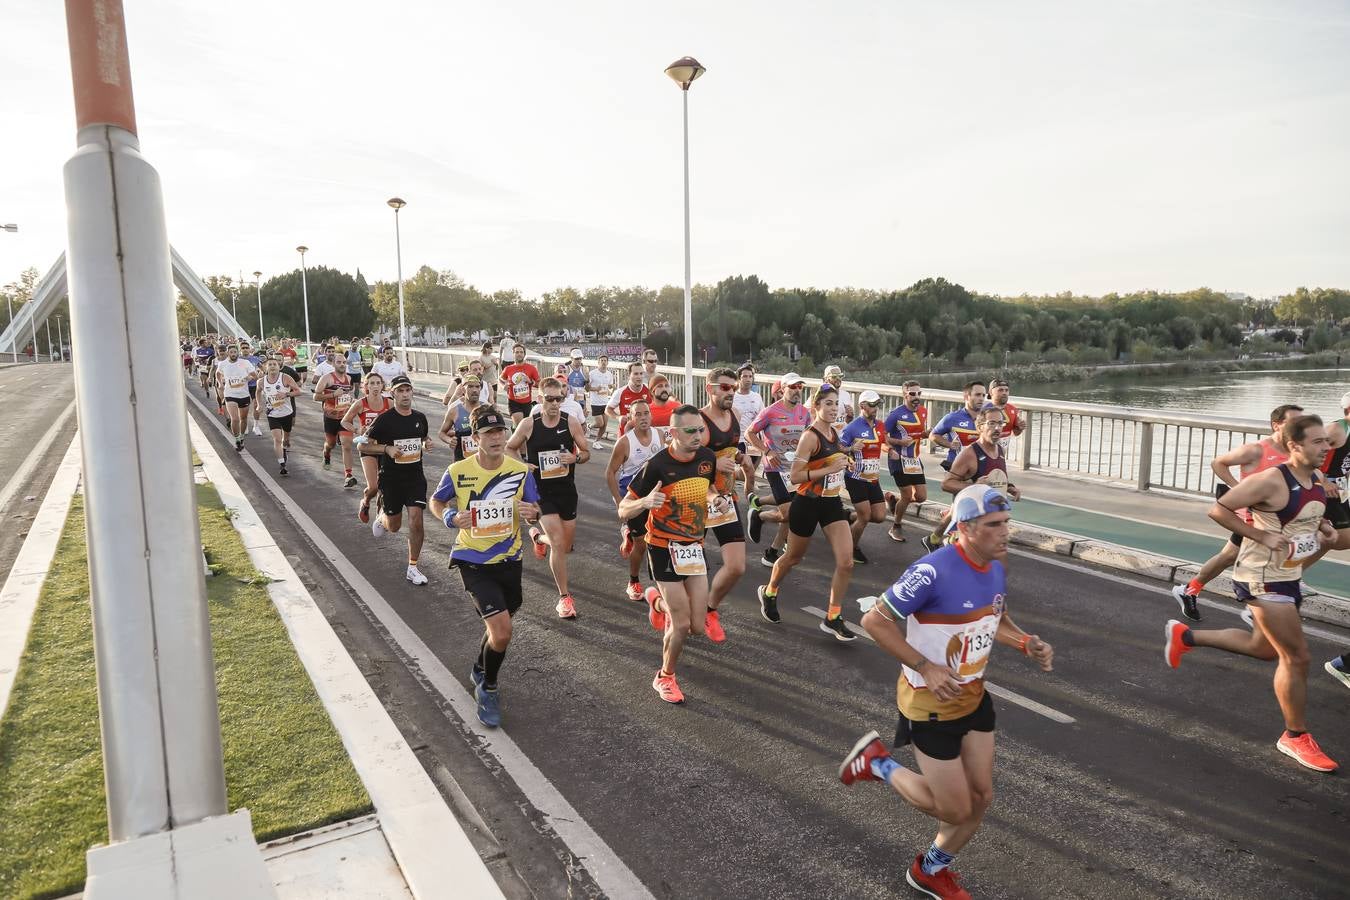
(806, 512)
(906, 479)
(942, 740)
(396, 493)
(558, 498)
(778, 484)
(860, 490)
(333, 426)
(522, 408)
(240, 401)
(662, 568)
(283, 422)
(597, 411)
(732, 532)
(495, 588)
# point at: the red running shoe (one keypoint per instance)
(625, 542)
(654, 615)
(363, 513)
(1175, 648)
(857, 766)
(944, 885)
(567, 608)
(634, 592)
(1304, 749)
(712, 624)
(667, 688)
(540, 547)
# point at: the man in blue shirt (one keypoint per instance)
(957, 428)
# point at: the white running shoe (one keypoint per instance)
(256, 429)
(597, 445)
(1246, 616)
(415, 575)
(377, 527)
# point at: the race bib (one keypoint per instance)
(721, 510)
(520, 389)
(687, 559)
(1301, 547)
(343, 399)
(968, 652)
(278, 401)
(834, 482)
(492, 518)
(550, 464)
(408, 450)
(997, 479)
(236, 383)
(911, 465)
(468, 444)
(870, 469)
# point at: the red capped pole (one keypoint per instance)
(99, 66)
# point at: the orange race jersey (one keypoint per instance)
(685, 484)
(827, 451)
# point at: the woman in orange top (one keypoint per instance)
(818, 474)
(358, 418)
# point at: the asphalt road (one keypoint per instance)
(1166, 784)
(39, 396)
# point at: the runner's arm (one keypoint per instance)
(1010, 635)
(322, 391)
(518, 439)
(446, 431)
(800, 474)
(962, 473)
(617, 457)
(349, 419)
(1224, 463)
(579, 436)
(1257, 491)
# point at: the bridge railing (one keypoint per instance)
(1143, 448)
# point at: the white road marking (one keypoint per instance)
(610, 872)
(1053, 715)
(34, 456)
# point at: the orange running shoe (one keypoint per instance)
(712, 624)
(667, 688)
(1175, 648)
(566, 607)
(943, 885)
(634, 591)
(654, 615)
(1304, 749)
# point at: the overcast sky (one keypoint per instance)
(1012, 147)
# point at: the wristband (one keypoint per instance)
(448, 517)
(1022, 644)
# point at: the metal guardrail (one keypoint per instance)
(1142, 448)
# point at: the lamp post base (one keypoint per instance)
(214, 859)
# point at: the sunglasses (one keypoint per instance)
(696, 429)
(725, 388)
(551, 398)
(913, 393)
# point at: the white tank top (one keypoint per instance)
(638, 454)
(277, 403)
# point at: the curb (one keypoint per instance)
(1327, 608)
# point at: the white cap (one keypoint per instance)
(790, 379)
(576, 354)
(1345, 401)
(833, 370)
(869, 397)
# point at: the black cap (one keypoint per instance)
(485, 418)
(400, 379)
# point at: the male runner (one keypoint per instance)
(456, 430)
(553, 444)
(622, 400)
(389, 368)
(979, 463)
(864, 437)
(600, 382)
(204, 355)
(639, 443)
(354, 364)
(673, 490)
(232, 375)
(906, 427)
(834, 376)
(570, 404)
(399, 437)
(747, 404)
(301, 362)
(663, 407)
(724, 516)
(277, 399)
(575, 376)
(334, 391)
(323, 365)
(1014, 423)
(486, 496)
(954, 603)
(957, 428)
(775, 433)
(367, 353)
(1286, 504)
(1257, 456)
(519, 379)
(648, 366)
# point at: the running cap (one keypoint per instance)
(473, 379)
(833, 370)
(790, 379)
(869, 397)
(485, 418)
(576, 354)
(975, 501)
(1345, 401)
(826, 388)
(1003, 382)
(659, 378)
(400, 380)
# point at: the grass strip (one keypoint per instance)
(283, 759)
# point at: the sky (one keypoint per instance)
(1029, 147)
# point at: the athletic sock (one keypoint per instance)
(492, 664)
(349, 473)
(1294, 734)
(412, 562)
(1187, 638)
(770, 592)
(1339, 662)
(936, 859)
(1194, 586)
(835, 611)
(883, 767)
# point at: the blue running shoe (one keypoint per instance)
(489, 712)
(476, 678)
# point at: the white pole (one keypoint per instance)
(402, 325)
(258, 283)
(304, 292)
(234, 306)
(13, 343)
(32, 325)
(49, 339)
(689, 395)
(60, 342)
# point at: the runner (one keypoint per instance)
(570, 404)
(277, 398)
(663, 407)
(648, 366)
(204, 356)
(864, 437)
(906, 427)
(553, 444)
(367, 354)
(254, 410)
(486, 496)
(301, 362)
(322, 366)
(1337, 470)
(354, 361)
(638, 444)
(775, 433)
(834, 376)
(672, 489)
(358, 419)
(601, 384)
(724, 516)
(956, 430)
(389, 368)
(1286, 504)
(1014, 424)
(979, 463)
(232, 376)
(818, 474)
(399, 438)
(519, 380)
(1249, 459)
(955, 609)
(748, 404)
(334, 391)
(575, 376)
(490, 371)
(456, 430)
(622, 400)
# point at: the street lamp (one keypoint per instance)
(684, 72)
(257, 281)
(304, 289)
(398, 203)
(9, 300)
(10, 227)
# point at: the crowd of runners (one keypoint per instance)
(679, 472)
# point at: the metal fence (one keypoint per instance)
(1143, 448)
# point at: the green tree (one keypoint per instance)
(337, 305)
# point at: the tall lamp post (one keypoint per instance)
(398, 203)
(684, 72)
(304, 288)
(257, 281)
(9, 301)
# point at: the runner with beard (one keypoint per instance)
(724, 516)
(399, 438)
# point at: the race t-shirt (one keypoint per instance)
(406, 434)
(490, 495)
(577, 383)
(952, 609)
(959, 426)
(864, 439)
(388, 371)
(747, 408)
(236, 376)
(685, 483)
(661, 413)
(782, 429)
(521, 380)
(601, 382)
